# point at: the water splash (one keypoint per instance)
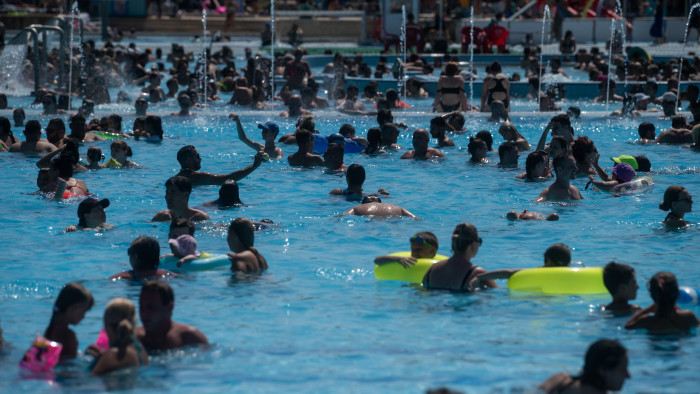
(10, 67)
(272, 50)
(546, 13)
(471, 57)
(685, 39)
(613, 40)
(73, 11)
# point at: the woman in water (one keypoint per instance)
(496, 87)
(663, 315)
(121, 152)
(458, 271)
(245, 258)
(70, 307)
(125, 350)
(509, 132)
(679, 202)
(605, 369)
(450, 94)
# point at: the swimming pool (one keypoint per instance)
(318, 321)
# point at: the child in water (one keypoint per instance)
(679, 202)
(184, 248)
(245, 258)
(424, 245)
(663, 315)
(621, 282)
(125, 350)
(70, 307)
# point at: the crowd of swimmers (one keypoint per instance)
(566, 155)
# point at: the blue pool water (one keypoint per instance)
(318, 321)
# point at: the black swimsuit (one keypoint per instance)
(464, 280)
(452, 107)
(498, 88)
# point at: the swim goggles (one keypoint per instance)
(422, 240)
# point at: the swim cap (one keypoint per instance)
(626, 159)
(624, 172)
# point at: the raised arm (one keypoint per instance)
(241, 134)
(207, 178)
(45, 161)
(543, 138)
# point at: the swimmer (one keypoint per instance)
(622, 285)
(695, 136)
(270, 130)
(498, 111)
(679, 132)
(185, 103)
(605, 370)
(348, 132)
(159, 331)
(304, 156)
(424, 245)
(374, 138)
(294, 108)
(184, 248)
(421, 150)
(125, 349)
(244, 257)
(91, 216)
(177, 197)
(536, 167)
(508, 155)
(663, 316)
(18, 117)
(457, 272)
(61, 180)
(191, 163)
(78, 130)
(144, 258)
(6, 136)
(355, 178)
(622, 173)
(121, 152)
(584, 151)
(438, 127)
(373, 206)
(390, 136)
(228, 196)
(56, 132)
(180, 226)
(33, 143)
(561, 189)
(559, 125)
(94, 156)
(477, 148)
(529, 215)
(333, 158)
(70, 307)
(509, 132)
(668, 104)
(678, 201)
(557, 255)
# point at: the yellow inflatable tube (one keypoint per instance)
(559, 280)
(414, 274)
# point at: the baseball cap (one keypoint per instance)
(269, 126)
(626, 159)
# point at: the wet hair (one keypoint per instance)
(120, 315)
(355, 174)
(392, 95)
(533, 159)
(374, 138)
(64, 166)
(559, 160)
(429, 238)
(116, 120)
(464, 235)
(495, 67)
(184, 153)
(335, 148)
(451, 68)
(228, 193)
(245, 232)
(616, 275)
(156, 124)
(303, 136)
(458, 121)
(438, 121)
(663, 288)
(643, 163)
(474, 143)
(678, 121)
(5, 126)
(558, 253)
(603, 354)
(70, 150)
(557, 139)
(581, 146)
(562, 119)
(506, 147)
(148, 252)
(182, 222)
(163, 288)
(71, 294)
(647, 130)
(485, 136)
(574, 112)
(671, 195)
(346, 130)
(182, 183)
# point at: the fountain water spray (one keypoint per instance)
(402, 69)
(204, 54)
(272, 49)
(545, 14)
(471, 57)
(685, 38)
(73, 10)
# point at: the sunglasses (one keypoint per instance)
(421, 240)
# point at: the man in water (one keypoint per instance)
(177, 197)
(78, 130)
(304, 156)
(677, 134)
(191, 162)
(421, 150)
(159, 331)
(561, 189)
(33, 142)
(373, 206)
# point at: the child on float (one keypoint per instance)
(241, 237)
(557, 255)
(622, 173)
(663, 315)
(355, 177)
(70, 307)
(678, 201)
(180, 226)
(605, 369)
(125, 350)
(621, 282)
(424, 245)
(184, 248)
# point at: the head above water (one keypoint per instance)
(144, 253)
(557, 255)
(605, 365)
(463, 236)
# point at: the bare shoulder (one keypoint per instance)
(162, 216)
(556, 382)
